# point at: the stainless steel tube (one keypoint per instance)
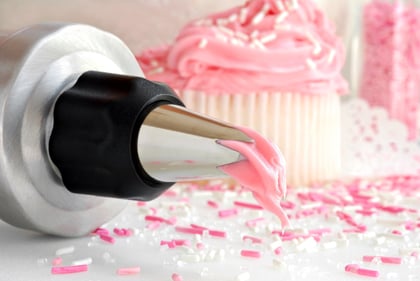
(175, 144)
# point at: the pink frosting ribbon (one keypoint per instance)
(263, 171)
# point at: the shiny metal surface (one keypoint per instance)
(36, 64)
(175, 144)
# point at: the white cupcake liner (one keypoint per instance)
(306, 127)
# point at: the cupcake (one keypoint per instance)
(270, 65)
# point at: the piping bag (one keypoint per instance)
(81, 130)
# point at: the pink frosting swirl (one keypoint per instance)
(264, 45)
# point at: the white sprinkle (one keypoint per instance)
(243, 14)
(236, 42)
(233, 18)
(204, 22)
(190, 258)
(221, 37)
(280, 5)
(187, 250)
(274, 245)
(280, 18)
(64, 251)
(329, 245)
(211, 255)
(311, 64)
(255, 34)
(261, 14)
(331, 56)
(258, 44)
(308, 245)
(226, 30)
(294, 5)
(82, 261)
(268, 38)
(159, 69)
(311, 205)
(380, 240)
(154, 63)
(242, 35)
(244, 276)
(203, 43)
(279, 263)
(222, 22)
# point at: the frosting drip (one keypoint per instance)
(264, 45)
(262, 171)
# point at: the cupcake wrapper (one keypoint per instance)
(305, 127)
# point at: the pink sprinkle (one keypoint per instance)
(287, 205)
(169, 193)
(181, 242)
(141, 203)
(354, 268)
(128, 270)
(200, 246)
(177, 277)
(217, 233)
(198, 226)
(69, 269)
(253, 222)
(160, 219)
(278, 251)
(391, 260)
(320, 231)
(57, 261)
(252, 239)
(396, 232)
(154, 225)
(247, 205)
(124, 232)
(189, 230)
(212, 204)
(228, 213)
(250, 253)
(107, 238)
(100, 231)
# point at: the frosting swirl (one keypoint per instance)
(264, 45)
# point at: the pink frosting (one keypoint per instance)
(262, 171)
(264, 45)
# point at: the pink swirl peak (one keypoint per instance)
(264, 45)
(263, 172)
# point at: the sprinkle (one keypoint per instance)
(200, 246)
(57, 261)
(203, 43)
(159, 219)
(82, 261)
(177, 277)
(279, 5)
(227, 31)
(257, 44)
(255, 34)
(244, 276)
(69, 269)
(280, 18)
(212, 204)
(250, 253)
(255, 240)
(190, 258)
(154, 225)
(268, 38)
(329, 245)
(243, 13)
(275, 245)
(311, 64)
(253, 222)
(64, 251)
(101, 231)
(331, 56)
(242, 35)
(189, 230)
(128, 270)
(233, 17)
(278, 251)
(227, 213)
(107, 238)
(390, 260)
(123, 232)
(217, 233)
(247, 205)
(354, 268)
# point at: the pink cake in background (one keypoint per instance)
(270, 65)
